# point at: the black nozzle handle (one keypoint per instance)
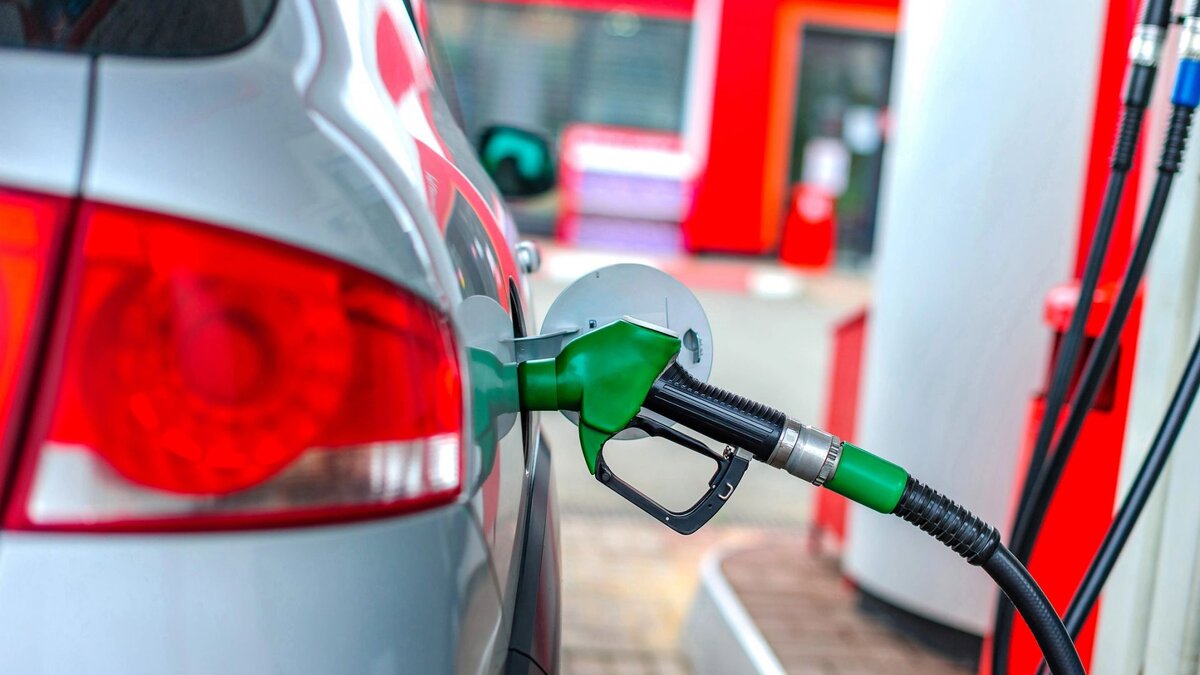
(721, 415)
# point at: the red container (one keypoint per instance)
(810, 232)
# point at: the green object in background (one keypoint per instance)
(603, 375)
(871, 481)
(520, 162)
(506, 143)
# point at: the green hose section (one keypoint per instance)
(871, 481)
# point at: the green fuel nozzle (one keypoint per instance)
(603, 375)
(607, 376)
(611, 373)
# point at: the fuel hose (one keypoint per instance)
(825, 460)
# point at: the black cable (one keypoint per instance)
(1068, 353)
(1137, 96)
(1139, 494)
(1102, 354)
(1069, 347)
(1156, 15)
(1125, 147)
(1022, 543)
(979, 543)
(1064, 367)
(1098, 363)
(1100, 359)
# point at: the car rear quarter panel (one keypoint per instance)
(374, 82)
(42, 120)
(236, 141)
(406, 595)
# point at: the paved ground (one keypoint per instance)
(628, 581)
(807, 615)
(627, 587)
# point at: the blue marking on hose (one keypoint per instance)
(1187, 84)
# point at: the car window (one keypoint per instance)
(439, 63)
(544, 66)
(162, 28)
(412, 17)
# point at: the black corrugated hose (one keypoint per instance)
(979, 544)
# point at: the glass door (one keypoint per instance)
(840, 127)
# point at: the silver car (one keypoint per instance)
(258, 298)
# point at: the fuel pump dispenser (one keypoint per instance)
(626, 376)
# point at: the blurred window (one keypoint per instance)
(840, 126)
(133, 27)
(541, 67)
(443, 74)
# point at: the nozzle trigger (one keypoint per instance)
(592, 440)
(731, 466)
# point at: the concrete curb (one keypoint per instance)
(719, 637)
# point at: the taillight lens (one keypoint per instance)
(29, 227)
(216, 379)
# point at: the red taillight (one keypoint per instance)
(29, 227)
(215, 379)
